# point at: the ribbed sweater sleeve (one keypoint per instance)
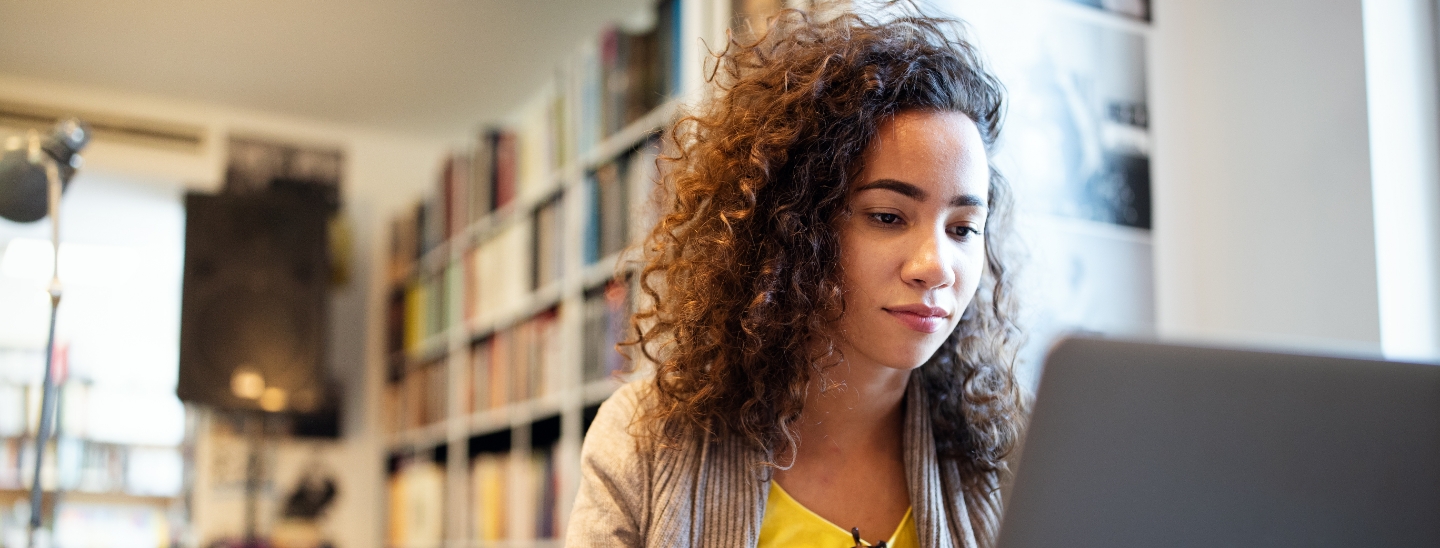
(611, 506)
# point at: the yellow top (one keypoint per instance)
(789, 524)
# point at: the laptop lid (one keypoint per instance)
(1134, 444)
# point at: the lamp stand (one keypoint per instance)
(47, 398)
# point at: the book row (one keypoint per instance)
(611, 82)
(90, 467)
(502, 272)
(511, 497)
(515, 364)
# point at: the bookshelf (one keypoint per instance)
(504, 299)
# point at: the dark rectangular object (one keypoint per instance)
(254, 300)
(545, 432)
(1139, 444)
(494, 442)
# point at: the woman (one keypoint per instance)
(830, 319)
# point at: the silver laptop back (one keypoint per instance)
(1135, 445)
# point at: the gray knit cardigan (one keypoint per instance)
(712, 493)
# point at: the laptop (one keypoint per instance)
(1133, 444)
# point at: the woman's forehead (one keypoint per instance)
(939, 153)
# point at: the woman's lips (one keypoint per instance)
(922, 319)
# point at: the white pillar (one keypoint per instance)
(1400, 73)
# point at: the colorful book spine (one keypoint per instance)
(547, 264)
(489, 475)
(506, 168)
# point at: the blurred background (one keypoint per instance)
(345, 273)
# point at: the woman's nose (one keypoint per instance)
(926, 260)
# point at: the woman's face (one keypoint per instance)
(912, 245)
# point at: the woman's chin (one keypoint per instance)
(908, 361)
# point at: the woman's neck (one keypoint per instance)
(849, 464)
(856, 407)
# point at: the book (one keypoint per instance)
(391, 398)
(605, 220)
(415, 313)
(522, 360)
(589, 76)
(500, 271)
(453, 304)
(560, 128)
(642, 180)
(546, 485)
(404, 246)
(456, 187)
(501, 363)
(395, 337)
(417, 505)
(489, 476)
(482, 178)
(606, 321)
(545, 352)
(610, 208)
(538, 491)
(413, 400)
(535, 128)
(613, 85)
(437, 392)
(548, 251)
(433, 290)
(669, 17)
(554, 353)
(506, 170)
(480, 376)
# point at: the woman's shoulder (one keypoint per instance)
(613, 502)
(617, 428)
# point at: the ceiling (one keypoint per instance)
(434, 68)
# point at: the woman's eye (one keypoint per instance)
(885, 218)
(963, 232)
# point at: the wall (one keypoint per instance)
(1264, 231)
(383, 171)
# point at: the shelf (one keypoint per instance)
(500, 419)
(559, 180)
(600, 271)
(92, 497)
(437, 346)
(600, 181)
(635, 133)
(433, 348)
(513, 415)
(538, 301)
(496, 221)
(488, 421)
(420, 438)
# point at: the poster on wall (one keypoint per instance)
(1139, 9)
(1075, 148)
(1076, 142)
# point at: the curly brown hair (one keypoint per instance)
(742, 269)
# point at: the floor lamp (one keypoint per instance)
(32, 179)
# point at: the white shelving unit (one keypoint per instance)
(450, 438)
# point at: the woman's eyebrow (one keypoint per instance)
(900, 187)
(918, 194)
